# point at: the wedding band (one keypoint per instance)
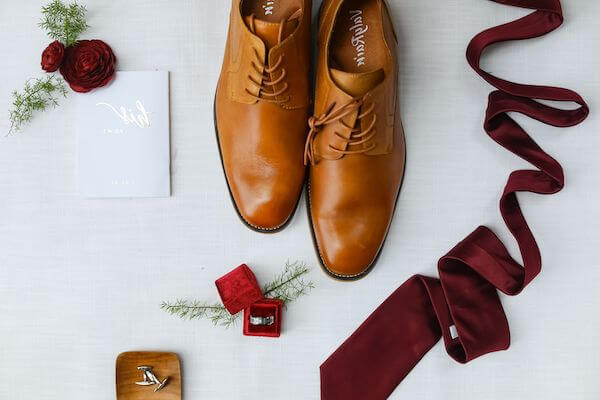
(262, 320)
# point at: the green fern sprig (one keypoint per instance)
(287, 287)
(64, 22)
(199, 310)
(37, 95)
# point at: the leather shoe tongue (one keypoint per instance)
(357, 84)
(269, 31)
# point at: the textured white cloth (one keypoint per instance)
(82, 280)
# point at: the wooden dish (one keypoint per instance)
(164, 365)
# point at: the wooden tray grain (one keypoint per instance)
(164, 364)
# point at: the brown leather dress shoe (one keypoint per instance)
(261, 107)
(356, 142)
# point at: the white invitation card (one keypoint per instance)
(124, 144)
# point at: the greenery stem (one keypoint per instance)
(295, 276)
(37, 95)
(64, 22)
(286, 286)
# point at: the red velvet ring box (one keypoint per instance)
(264, 308)
(238, 289)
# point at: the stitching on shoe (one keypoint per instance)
(260, 227)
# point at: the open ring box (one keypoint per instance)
(239, 291)
(263, 308)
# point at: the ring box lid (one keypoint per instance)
(238, 289)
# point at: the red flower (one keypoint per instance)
(88, 64)
(53, 56)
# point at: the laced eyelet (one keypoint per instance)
(358, 136)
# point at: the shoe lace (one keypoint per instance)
(357, 135)
(266, 85)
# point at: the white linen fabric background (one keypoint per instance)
(81, 280)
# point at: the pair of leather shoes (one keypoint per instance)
(353, 144)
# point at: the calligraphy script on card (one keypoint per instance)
(139, 117)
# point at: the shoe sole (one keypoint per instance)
(239, 214)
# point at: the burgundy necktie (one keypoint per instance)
(463, 306)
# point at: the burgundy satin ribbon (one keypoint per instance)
(383, 350)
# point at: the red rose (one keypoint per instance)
(88, 64)
(53, 56)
